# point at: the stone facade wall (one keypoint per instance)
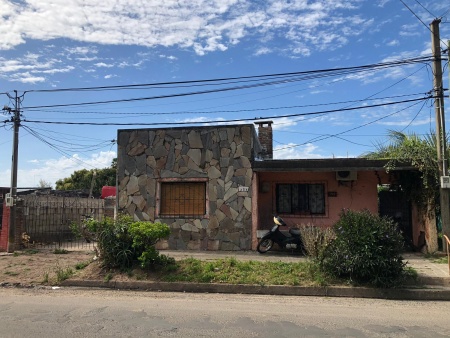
(220, 156)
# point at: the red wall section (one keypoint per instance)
(4, 229)
(355, 195)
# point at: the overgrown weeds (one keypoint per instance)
(315, 239)
(233, 271)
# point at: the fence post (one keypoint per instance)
(20, 223)
(4, 229)
(110, 206)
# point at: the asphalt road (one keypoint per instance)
(71, 312)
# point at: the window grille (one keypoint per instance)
(183, 199)
(300, 199)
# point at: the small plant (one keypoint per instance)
(81, 265)
(108, 277)
(45, 278)
(63, 273)
(59, 251)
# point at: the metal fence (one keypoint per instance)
(48, 221)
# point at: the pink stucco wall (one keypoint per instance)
(356, 195)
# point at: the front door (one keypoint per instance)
(394, 204)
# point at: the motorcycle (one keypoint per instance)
(292, 240)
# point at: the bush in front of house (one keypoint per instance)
(315, 239)
(367, 249)
(123, 241)
(145, 235)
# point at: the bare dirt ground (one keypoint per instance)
(47, 266)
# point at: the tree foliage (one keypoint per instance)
(82, 179)
(422, 186)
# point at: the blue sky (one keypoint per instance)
(56, 44)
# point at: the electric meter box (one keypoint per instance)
(445, 182)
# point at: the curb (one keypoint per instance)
(430, 294)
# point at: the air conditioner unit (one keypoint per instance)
(346, 175)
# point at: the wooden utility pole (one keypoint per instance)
(14, 167)
(440, 123)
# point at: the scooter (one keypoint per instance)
(292, 241)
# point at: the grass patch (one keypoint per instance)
(30, 251)
(82, 265)
(59, 251)
(11, 273)
(232, 271)
(439, 259)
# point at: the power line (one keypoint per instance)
(252, 77)
(425, 9)
(306, 76)
(226, 111)
(228, 121)
(423, 23)
(316, 139)
(54, 147)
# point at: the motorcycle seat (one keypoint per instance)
(294, 231)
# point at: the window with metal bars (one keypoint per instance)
(183, 199)
(306, 199)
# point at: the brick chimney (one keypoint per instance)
(265, 138)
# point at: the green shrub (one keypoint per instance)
(367, 249)
(123, 241)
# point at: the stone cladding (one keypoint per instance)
(221, 156)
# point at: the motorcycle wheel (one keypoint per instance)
(264, 245)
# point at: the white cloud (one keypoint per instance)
(103, 65)
(293, 151)
(110, 76)
(393, 43)
(52, 170)
(202, 25)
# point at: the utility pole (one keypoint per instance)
(14, 168)
(440, 123)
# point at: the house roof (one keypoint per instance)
(330, 164)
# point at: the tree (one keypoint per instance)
(421, 187)
(82, 179)
(44, 184)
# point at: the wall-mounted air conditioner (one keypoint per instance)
(346, 175)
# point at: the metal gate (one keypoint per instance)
(48, 220)
(395, 205)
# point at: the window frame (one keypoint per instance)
(159, 197)
(301, 199)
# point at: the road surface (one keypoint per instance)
(69, 312)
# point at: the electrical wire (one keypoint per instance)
(227, 111)
(55, 148)
(425, 9)
(348, 130)
(423, 23)
(228, 121)
(306, 76)
(419, 59)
